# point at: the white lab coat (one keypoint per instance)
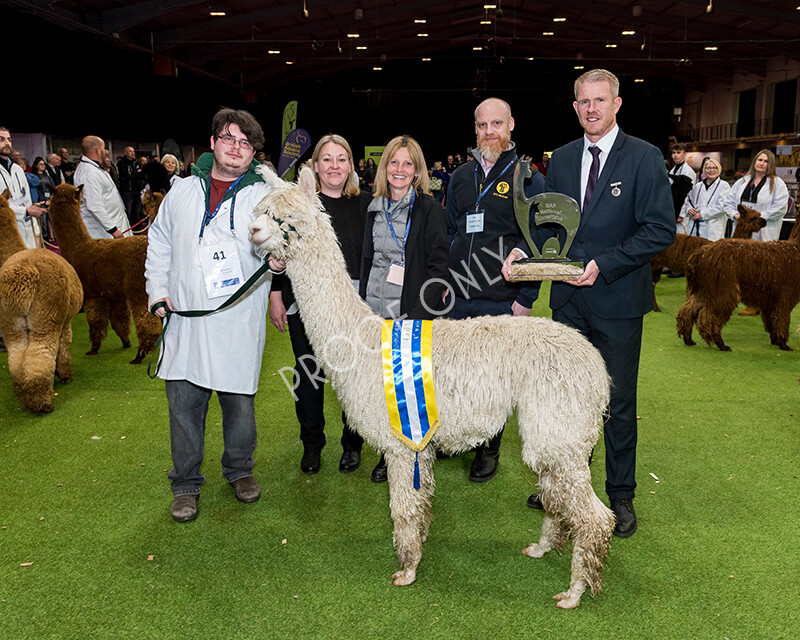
(709, 203)
(221, 351)
(771, 205)
(20, 200)
(101, 204)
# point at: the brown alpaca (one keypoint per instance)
(112, 273)
(150, 204)
(676, 256)
(722, 274)
(39, 295)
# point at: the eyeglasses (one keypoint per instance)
(230, 141)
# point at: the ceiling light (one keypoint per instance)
(578, 66)
(710, 7)
(628, 33)
(639, 80)
(377, 68)
(611, 46)
(486, 22)
(421, 21)
(711, 48)
(490, 6)
(353, 35)
(559, 19)
(426, 59)
(289, 62)
(477, 48)
(548, 33)
(216, 13)
(273, 51)
(530, 59)
(361, 48)
(422, 35)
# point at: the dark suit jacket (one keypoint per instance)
(620, 233)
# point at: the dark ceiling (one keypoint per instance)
(669, 40)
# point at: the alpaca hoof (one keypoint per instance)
(65, 379)
(566, 600)
(535, 551)
(42, 409)
(138, 359)
(724, 347)
(404, 577)
(126, 344)
(689, 342)
(91, 352)
(785, 347)
(657, 309)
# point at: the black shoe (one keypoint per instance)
(379, 472)
(350, 461)
(310, 462)
(626, 518)
(484, 466)
(534, 502)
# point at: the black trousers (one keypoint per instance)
(619, 341)
(310, 394)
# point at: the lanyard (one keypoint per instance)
(402, 247)
(488, 188)
(19, 184)
(208, 216)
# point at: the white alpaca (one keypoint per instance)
(484, 368)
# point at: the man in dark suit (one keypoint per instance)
(626, 218)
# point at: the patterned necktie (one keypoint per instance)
(593, 173)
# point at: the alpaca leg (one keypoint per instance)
(15, 334)
(687, 315)
(427, 484)
(64, 357)
(590, 524)
(777, 325)
(553, 534)
(96, 310)
(710, 323)
(408, 512)
(120, 316)
(38, 367)
(148, 328)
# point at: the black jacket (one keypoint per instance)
(130, 176)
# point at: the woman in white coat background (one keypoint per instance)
(702, 210)
(760, 189)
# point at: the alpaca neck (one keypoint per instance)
(333, 314)
(794, 236)
(69, 228)
(10, 240)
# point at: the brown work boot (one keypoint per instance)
(184, 508)
(247, 489)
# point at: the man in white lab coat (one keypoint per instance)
(12, 177)
(198, 255)
(102, 209)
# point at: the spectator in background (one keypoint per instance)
(108, 166)
(53, 169)
(544, 164)
(170, 163)
(131, 183)
(439, 180)
(67, 166)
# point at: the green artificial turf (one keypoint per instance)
(85, 498)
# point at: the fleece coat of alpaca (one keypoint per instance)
(765, 275)
(676, 256)
(39, 295)
(112, 274)
(483, 369)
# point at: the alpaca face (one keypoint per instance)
(266, 234)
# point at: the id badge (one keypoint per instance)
(222, 267)
(475, 221)
(396, 274)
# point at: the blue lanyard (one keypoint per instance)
(488, 188)
(208, 216)
(408, 223)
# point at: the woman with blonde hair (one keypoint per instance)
(760, 189)
(172, 166)
(702, 208)
(406, 254)
(343, 201)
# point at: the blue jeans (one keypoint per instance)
(188, 408)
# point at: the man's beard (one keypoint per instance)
(491, 149)
(5, 151)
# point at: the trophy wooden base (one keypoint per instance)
(534, 270)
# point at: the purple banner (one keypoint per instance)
(296, 144)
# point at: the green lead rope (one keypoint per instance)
(200, 313)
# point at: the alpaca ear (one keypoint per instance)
(6, 194)
(308, 182)
(742, 209)
(78, 192)
(270, 177)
